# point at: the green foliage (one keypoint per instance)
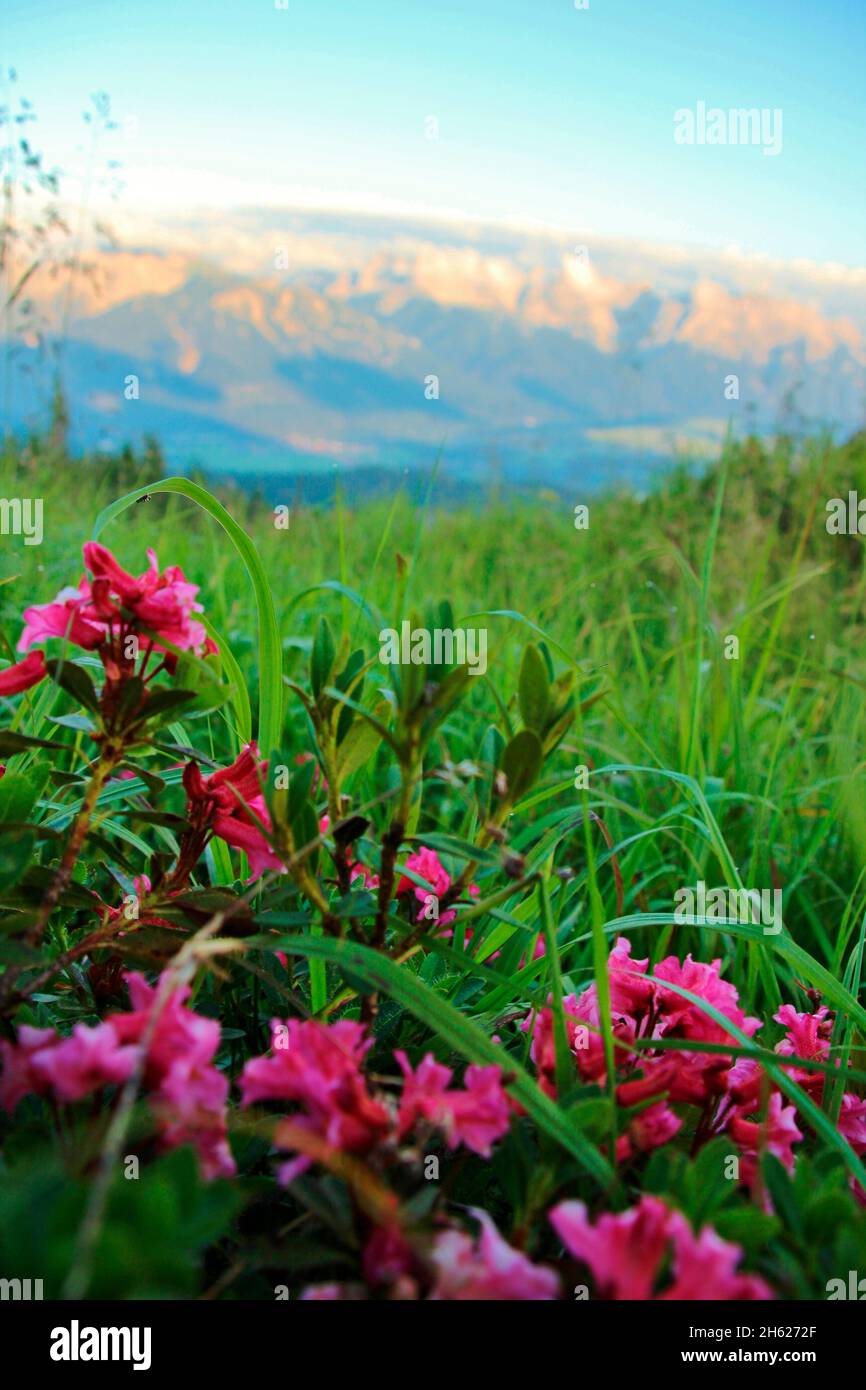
(165, 1218)
(608, 654)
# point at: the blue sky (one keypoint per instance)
(545, 113)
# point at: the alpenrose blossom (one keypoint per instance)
(64, 617)
(626, 1252)
(18, 1077)
(464, 1269)
(733, 1096)
(187, 1093)
(642, 1009)
(230, 803)
(115, 603)
(650, 1129)
(23, 675)
(775, 1132)
(319, 1066)
(488, 1268)
(476, 1116)
(103, 613)
(807, 1037)
(91, 1057)
(427, 865)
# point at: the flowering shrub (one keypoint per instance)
(345, 980)
(723, 1094)
(170, 1046)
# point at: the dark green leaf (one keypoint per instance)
(321, 657)
(521, 762)
(533, 689)
(75, 681)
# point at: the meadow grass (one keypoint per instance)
(640, 603)
(732, 764)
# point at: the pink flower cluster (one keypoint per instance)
(161, 602)
(230, 803)
(427, 865)
(729, 1094)
(107, 608)
(807, 1036)
(476, 1116)
(187, 1092)
(487, 1268)
(320, 1068)
(642, 1009)
(625, 1253)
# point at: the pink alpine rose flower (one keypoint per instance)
(745, 1082)
(230, 804)
(161, 601)
(187, 1093)
(488, 1268)
(427, 865)
(178, 1032)
(191, 1104)
(87, 1060)
(18, 1077)
(476, 1116)
(625, 1254)
(583, 1030)
(682, 1018)
(700, 1076)
(630, 998)
(650, 1129)
(644, 1009)
(42, 1062)
(705, 1268)
(319, 1067)
(807, 1036)
(776, 1135)
(23, 675)
(623, 1251)
(64, 617)
(852, 1121)
(102, 612)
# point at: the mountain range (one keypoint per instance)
(302, 347)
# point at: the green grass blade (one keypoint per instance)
(270, 656)
(460, 1032)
